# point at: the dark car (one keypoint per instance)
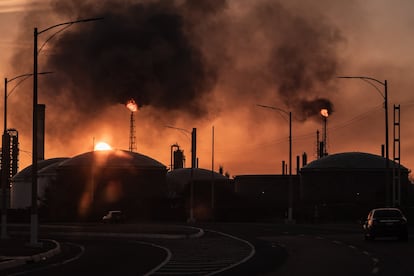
(385, 222)
(113, 217)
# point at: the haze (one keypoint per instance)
(198, 64)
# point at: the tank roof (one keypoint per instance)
(42, 164)
(350, 161)
(112, 159)
(184, 175)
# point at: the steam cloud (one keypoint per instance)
(172, 55)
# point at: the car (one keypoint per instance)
(385, 222)
(113, 217)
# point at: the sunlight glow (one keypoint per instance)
(102, 146)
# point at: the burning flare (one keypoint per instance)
(132, 105)
(324, 112)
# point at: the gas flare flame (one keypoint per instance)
(324, 112)
(132, 105)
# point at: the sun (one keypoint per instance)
(102, 146)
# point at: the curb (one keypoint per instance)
(18, 261)
(22, 260)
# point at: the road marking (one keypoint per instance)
(252, 252)
(375, 269)
(82, 248)
(166, 260)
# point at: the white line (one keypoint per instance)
(366, 253)
(351, 246)
(375, 260)
(337, 242)
(82, 248)
(166, 260)
(252, 252)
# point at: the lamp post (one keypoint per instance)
(384, 95)
(193, 165)
(34, 225)
(290, 207)
(5, 154)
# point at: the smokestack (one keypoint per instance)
(194, 161)
(321, 149)
(318, 145)
(297, 164)
(283, 167)
(133, 107)
(41, 109)
(304, 159)
(324, 114)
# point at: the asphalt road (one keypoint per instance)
(88, 256)
(330, 250)
(233, 249)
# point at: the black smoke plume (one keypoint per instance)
(171, 55)
(140, 51)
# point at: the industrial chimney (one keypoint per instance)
(133, 107)
(324, 145)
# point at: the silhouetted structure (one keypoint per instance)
(179, 185)
(133, 107)
(265, 197)
(21, 182)
(11, 161)
(340, 186)
(350, 182)
(177, 157)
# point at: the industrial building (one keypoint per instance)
(212, 193)
(333, 187)
(352, 183)
(89, 184)
(265, 197)
(21, 187)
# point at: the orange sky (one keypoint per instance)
(376, 41)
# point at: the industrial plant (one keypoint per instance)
(86, 186)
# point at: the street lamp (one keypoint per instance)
(34, 225)
(5, 154)
(385, 97)
(290, 208)
(193, 165)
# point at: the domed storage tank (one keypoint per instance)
(211, 190)
(92, 183)
(353, 181)
(21, 184)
